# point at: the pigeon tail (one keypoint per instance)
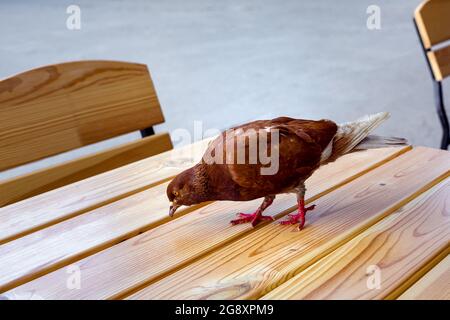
(373, 142)
(350, 134)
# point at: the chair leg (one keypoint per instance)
(439, 98)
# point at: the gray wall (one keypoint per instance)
(227, 62)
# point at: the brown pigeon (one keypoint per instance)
(268, 157)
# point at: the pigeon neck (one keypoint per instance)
(201, 182)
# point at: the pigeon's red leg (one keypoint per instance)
(300, 216)
(257, 216)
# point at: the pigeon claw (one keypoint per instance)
(294, 219)
(298, 218)
(254, 218)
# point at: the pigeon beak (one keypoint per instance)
(172, 209)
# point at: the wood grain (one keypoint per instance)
(113, 271)
(32, 214)
(433, 22)
(398, 247)
(440, 62)
(39, 252)
(266, 258)
(47, 179)
(434, 285)
(56, 108)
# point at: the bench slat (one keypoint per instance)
(126, 265)
(23, 187)
(382, 258)
(434, 285)
(54, 206)
(266, 258)
(61, 107)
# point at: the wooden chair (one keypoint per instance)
(432, 21)
(57, 108)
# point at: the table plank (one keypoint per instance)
(266, 258)
(130, 263)
(434, 285)
(398, 248)
(38, 212)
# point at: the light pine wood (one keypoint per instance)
(440, 62)
(112, 271)
(32, 214)
(433, 22)
(29, 256)
(434, 285)
(47, 179)
(399, 246)
(266, 258)
(56, 108)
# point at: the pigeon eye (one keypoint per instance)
(175, 193)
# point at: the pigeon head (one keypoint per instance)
(186, 189)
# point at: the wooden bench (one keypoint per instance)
(57, 108)
(374, 209)
(432, 22)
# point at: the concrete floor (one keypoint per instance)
(227, 62)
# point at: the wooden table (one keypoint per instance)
(380, 230)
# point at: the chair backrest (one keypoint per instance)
(57, 108)
(432, 18)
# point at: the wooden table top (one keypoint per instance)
(380, 230)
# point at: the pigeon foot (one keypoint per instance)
(298, 218)
(254, 218)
